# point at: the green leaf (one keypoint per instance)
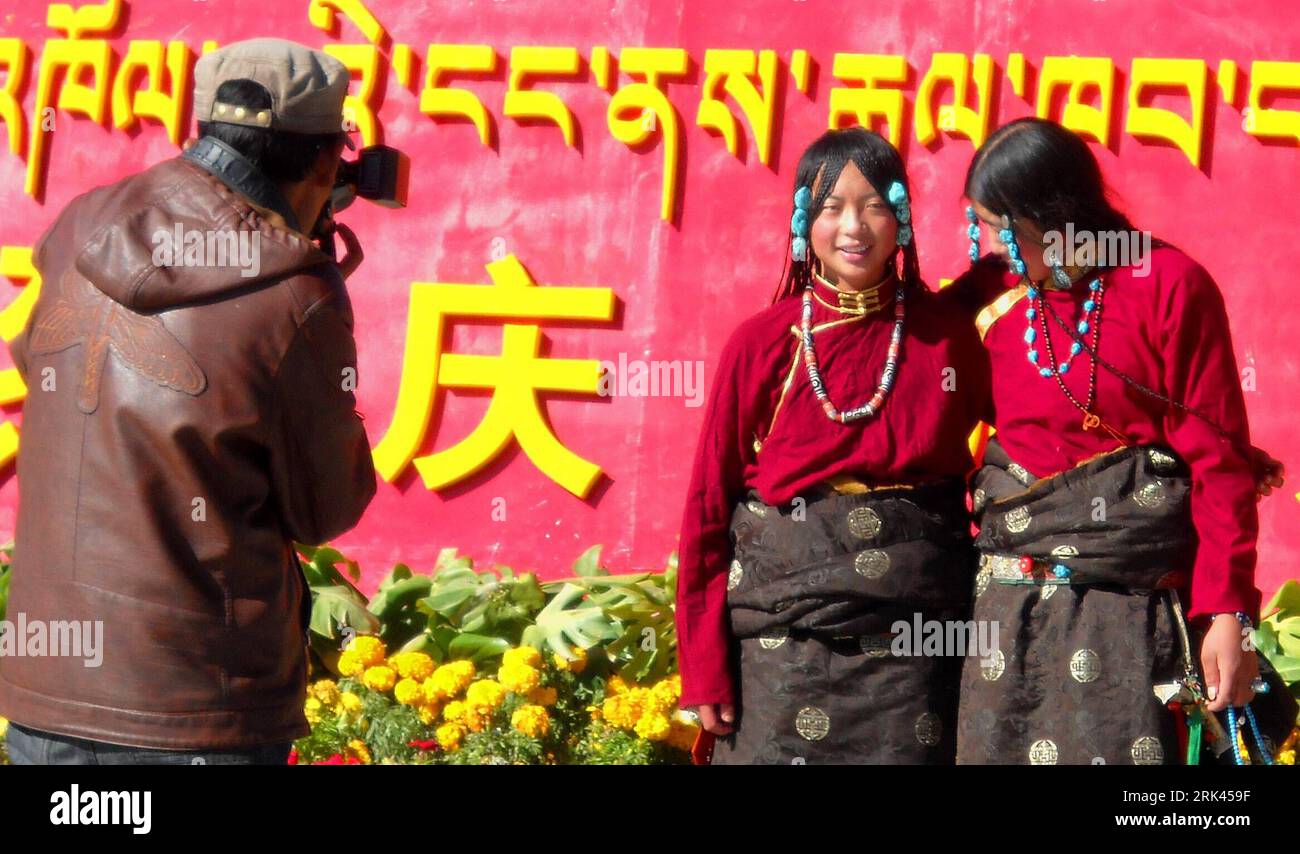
(340, 606)
(567, 621)
(588, 563)
(477, 648)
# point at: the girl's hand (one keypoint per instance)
(1229, 668)
(717, 718)
(1270, 474)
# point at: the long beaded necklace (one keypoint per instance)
(873, 406)
(1092, 307)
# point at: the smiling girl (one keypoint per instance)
(827, 497)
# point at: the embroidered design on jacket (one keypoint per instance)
(82, 314)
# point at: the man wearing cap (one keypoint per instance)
(190, 413)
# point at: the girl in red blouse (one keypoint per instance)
(827, 499)
(1119, 475)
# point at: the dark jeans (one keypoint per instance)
(36, 747)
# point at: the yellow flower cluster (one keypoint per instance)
(649, 712)
(1286, 753)
(362, 653)
(532, 721)
(324, 696)
(357, 749)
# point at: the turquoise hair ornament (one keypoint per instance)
(897, 196)
(1008, 238)
(799, 224)
(973, 232)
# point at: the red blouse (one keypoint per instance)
(920, 435)
(1167, 330)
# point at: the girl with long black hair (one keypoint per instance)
(827, 500)
(1119, 480)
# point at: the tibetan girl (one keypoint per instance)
(827, 501)
(1118, 487)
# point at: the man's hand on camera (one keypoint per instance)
(353, 257)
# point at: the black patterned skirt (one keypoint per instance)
(1078, 571)
(813, 594)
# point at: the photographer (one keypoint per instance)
(190, 366)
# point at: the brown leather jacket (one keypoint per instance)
(183, 425)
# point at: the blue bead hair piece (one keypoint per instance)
(902, 205)
(799, 224)
(973, 232)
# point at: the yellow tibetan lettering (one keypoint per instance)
(522, 103)
(1155, 123)
(16, 265)
(862, 103)
(639, 109)
(153, 102)
(734, 71)
(13, 62)
(955, 118)
(1079, 73)
(363, 61)
(438, 100)
(78, 57)
(322, 14)
(516, 377)
(1272, 123)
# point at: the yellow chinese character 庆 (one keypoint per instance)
(516, 377)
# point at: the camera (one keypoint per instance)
(380, 174)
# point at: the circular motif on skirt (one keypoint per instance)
(1064, 552)
(1085, 666)
(982, 580)
(1042, 752)
(1020, 473)
(1147, 750)
(1018, 520)
(872, 563)
(1162, 461)
(1151, 496)
(981, 498)
(927, 729)
(774, 637)
(991, 668)
(812, 723)
(1047, 591)
(733, 577)
(875, 646)
(864, 523)
(758, 508)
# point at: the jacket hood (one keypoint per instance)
(176, 234)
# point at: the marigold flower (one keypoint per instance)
(532, 721)
(449, 736)
(370, 649)
(379, 679)
(520, 678)
(525, 655)
(408, 693)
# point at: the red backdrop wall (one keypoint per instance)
(1201, 149)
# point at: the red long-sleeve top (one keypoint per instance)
(1167, 330)
(921, 435)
